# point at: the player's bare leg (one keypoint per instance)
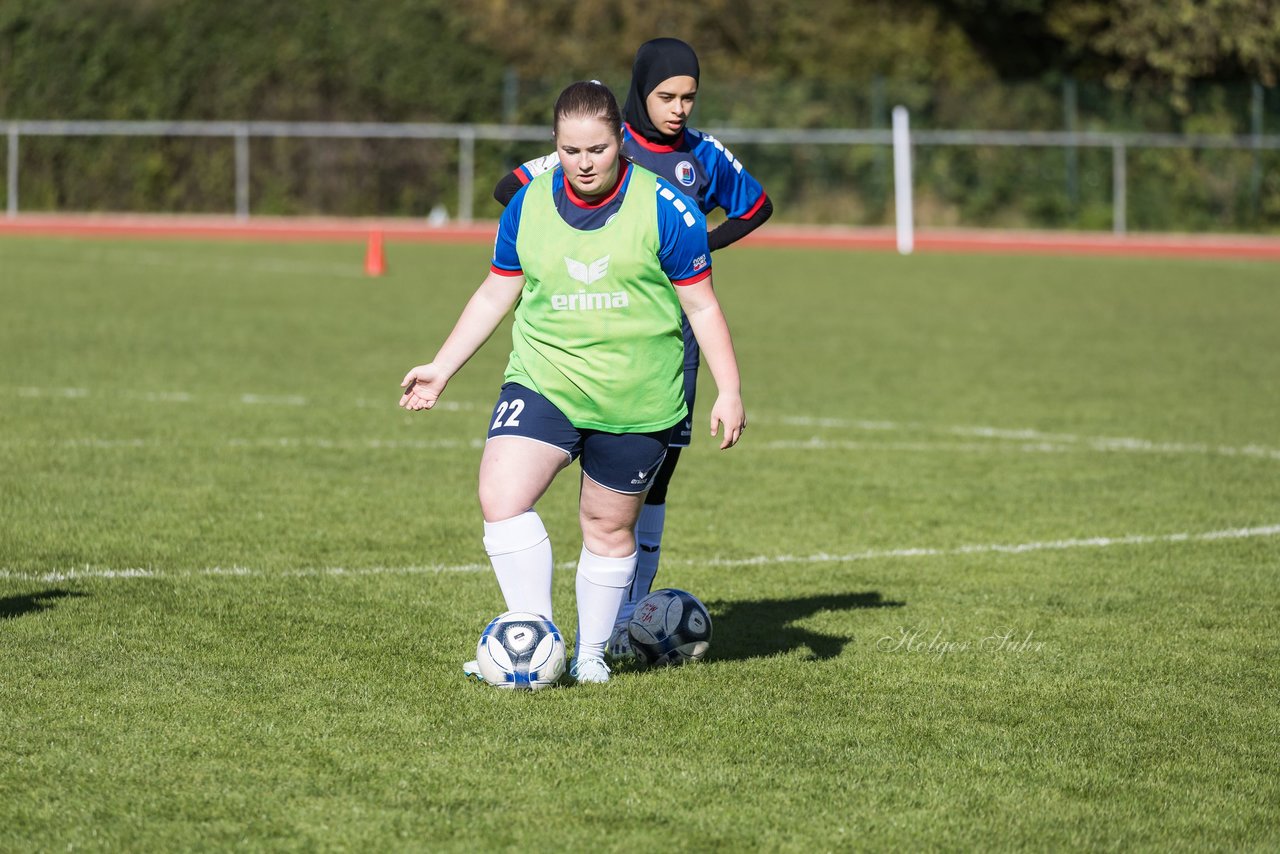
(605, 570)
(514, 474)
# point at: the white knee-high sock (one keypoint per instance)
(520, 552)
(601, 585)
(649, 527)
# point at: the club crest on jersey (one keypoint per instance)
(587, 273)
(685, 174)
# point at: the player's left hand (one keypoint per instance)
(729, 411)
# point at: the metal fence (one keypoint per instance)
(240, 135)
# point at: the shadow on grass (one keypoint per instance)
(757, 629)
(12, 607)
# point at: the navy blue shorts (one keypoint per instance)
(622, 462)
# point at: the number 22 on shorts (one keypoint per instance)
(511, 413)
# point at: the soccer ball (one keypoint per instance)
(670, 627)
(521, 651)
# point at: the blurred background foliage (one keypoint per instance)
(1178, 66)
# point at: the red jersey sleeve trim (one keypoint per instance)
(692, 280)
(523, 176)
(501, 272)
(754, 208)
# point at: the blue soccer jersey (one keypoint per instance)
(682, 229)
(701, 168)
(698, 166)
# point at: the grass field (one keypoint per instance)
(997, 565)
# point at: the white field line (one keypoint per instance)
(992, 438)
(1132, 446)
(811, 444)
(247, 398)
(352, 270)
(1033, 439)
(104, 573)
(996, 548)
(262, 443)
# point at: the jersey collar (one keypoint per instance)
(623, 168)
(656, 146)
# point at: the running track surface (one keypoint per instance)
(827, 237)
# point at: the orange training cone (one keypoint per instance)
(375, 263)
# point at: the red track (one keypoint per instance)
(403, 230)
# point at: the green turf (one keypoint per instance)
(237, 582)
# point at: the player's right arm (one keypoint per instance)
(487, 307)
(523, 174)
(491, 302)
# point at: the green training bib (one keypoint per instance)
(597, 327)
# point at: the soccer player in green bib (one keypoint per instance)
(656, 135)
(598, 259)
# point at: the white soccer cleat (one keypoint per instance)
(589, 671)
(472, 671)
(619, 645)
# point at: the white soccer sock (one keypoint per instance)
(601, 584)
(649, 527)
(520, 552)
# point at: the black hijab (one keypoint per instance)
(656, 60)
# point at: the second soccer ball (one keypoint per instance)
(670, 627)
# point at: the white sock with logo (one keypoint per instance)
(601, 586)
(520, 552)
(649, 527)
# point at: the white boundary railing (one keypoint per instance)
(240, 134)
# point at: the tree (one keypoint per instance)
(735, 39)
(1176, 41)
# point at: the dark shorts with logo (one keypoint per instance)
(622, 462)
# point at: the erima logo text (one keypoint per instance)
(587, 273)
(583, 301)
